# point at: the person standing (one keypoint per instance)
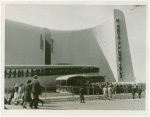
(100, 90)
(16, 87)
(81, 95)
(117, 88)
(22, 98)
(11, 95)
(39, 100)
(36, 90)
(125, 88)
(105, 90)
(22, 73)
(114, 89)
(110, 91)
(133, 90)
(19, 73)
(122, 90)
(139, 90)
(27, 73)
(20, 91)
(10, 74)
(97, 89)
(14, 73)
(27, 94)
(32, 73)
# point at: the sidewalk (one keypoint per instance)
(128, 104)
(87, 97)
(69, 97)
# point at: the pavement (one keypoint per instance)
(59, 97)
(115, 104)
(93, 102)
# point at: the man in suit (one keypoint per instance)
(36, 90)
(133, 90)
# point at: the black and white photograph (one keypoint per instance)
(75, 56)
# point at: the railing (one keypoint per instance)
(53, 91)
(12, 73)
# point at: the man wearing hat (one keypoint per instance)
(36, 90)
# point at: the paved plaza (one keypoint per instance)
(118, 104)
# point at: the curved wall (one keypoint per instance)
(95, 46)
(105, 35)
(22, 44)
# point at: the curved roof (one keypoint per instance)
(67, 77)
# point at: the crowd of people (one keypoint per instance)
(26, 92)
(108, 89)
(116, 89)
(47, 71)
(29, 92)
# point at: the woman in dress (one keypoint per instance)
(27, 94)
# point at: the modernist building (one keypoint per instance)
(105, 46)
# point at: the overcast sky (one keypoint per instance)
(73, 17)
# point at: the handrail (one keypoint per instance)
(47, 66)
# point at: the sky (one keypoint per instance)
(77, 17)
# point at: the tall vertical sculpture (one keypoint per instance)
(124, 63)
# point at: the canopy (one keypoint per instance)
(67, 77)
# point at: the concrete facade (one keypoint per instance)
(22, 44)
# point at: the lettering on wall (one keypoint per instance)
(119, 48)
